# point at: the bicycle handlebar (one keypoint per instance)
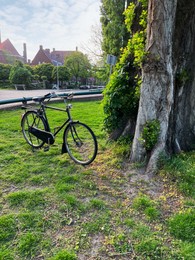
(52, 95)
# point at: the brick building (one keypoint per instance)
(46, 56)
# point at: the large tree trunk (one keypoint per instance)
(168, 92)
(181, 134)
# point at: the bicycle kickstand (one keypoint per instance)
(46, 148)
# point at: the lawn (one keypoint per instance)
(54, 209)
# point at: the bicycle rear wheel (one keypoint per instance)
(80, 143)
(31, 118)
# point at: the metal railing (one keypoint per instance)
(26, 99)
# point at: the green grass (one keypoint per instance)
(182, 226)
(181, 169)
(142, 203)
(53, 209)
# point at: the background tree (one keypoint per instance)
(78, 66)
(19, 74)
(63, 74)
(168, 82)
(44, 69)
(30, 68)
(114, 31)
(94, 46)
(4, 71)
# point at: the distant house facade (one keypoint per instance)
(8, 53)
(54, 57)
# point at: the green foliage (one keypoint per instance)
(129, 16)
(150, 134)
(78, 65)
(63, 73)
(120, 99)
(114, 32)
(30, 68)
(19, 74)
(121, 95)
(44, 69)
(4, 71)
(136, 43)
(182, 226)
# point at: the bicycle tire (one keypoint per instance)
(80, 143)
(31, 118)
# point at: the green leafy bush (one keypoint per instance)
(19, 74)
(150, 134)
(121, 95)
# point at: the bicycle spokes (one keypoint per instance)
(80, 143)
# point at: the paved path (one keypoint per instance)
(15, 94)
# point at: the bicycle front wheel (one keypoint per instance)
(80, 143)
(31, 118)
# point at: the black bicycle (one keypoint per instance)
(79, 141)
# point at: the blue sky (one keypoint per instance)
(59, 24)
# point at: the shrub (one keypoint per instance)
(121, 95)
(150, 134)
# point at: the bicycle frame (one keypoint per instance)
(42, 109)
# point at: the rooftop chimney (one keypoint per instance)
(24, 53)
(47, 51)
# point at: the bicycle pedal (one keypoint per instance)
(46, 149)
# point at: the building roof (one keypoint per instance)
(54, 57)
(8, 52)
(41, 57)
(8, 46)
(60, 56)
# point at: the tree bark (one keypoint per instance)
(181, 135)
(168, 80)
